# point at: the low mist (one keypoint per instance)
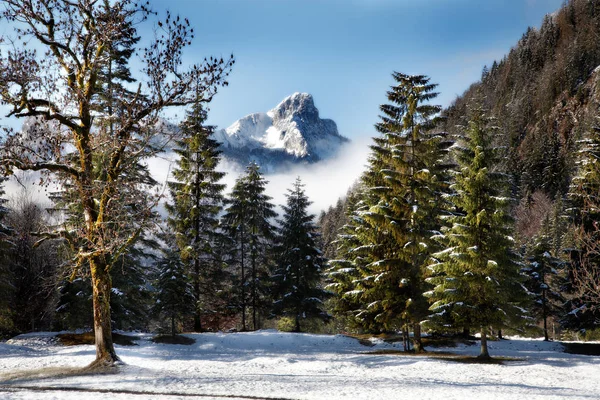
(324, 182)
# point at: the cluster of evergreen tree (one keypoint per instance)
(535, 121)
(429, 238)
(215, 260)
(543, 95)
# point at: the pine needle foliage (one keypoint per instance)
(196, 201)
(175, 297)
(388, 237)
(298, 272)
(476, 276)
(247, 221)
(543, 270)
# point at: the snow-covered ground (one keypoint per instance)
(271, 364)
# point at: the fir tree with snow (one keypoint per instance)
(477, 276)
(196, 201)
(297, 276)
(344, 272)
(131, 293)
(131, 297)
(174, 292)
(399, 210)
(544, 276)
(247, 221)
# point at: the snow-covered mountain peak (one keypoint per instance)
(298, 104)
(288, 133)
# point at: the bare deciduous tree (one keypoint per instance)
(51, 70)
(586, 274)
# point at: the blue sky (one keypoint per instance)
(343, 51)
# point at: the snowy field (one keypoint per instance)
(276, 365)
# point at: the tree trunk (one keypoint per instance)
(500, 334)
(253, 289)
(297, 328)
(484, 347)
(101, 287)
(545, 314)
(466, 332)
(197, 318)
(243, 278)
(405, 338)
(417, 342)
(173, 325)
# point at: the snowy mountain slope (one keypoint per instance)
(288, 134)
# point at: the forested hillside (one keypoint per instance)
(545, 96)
(538, 108)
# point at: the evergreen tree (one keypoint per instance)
(131, 270)
(174, 293)
(74, 306)
(131, 299)
(197, 200)
(247, 219)
(543, 272)
(399, 210)
(297, 276)
(476, 277)
(114, 73)
(344, 272)
(131, 293)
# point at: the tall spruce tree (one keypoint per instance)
(399, 210)
(114, 74)
(131, 299)
(248, 221)
(131, 293)
(197, 200)
(476, 277)
(298, 272)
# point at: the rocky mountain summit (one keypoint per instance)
(290, 133)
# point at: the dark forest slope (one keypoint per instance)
(545, 95)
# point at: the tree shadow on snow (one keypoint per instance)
(24, 376)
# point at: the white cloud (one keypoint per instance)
(324, 182)
(29, 185)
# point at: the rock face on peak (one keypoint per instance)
(288, 134)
